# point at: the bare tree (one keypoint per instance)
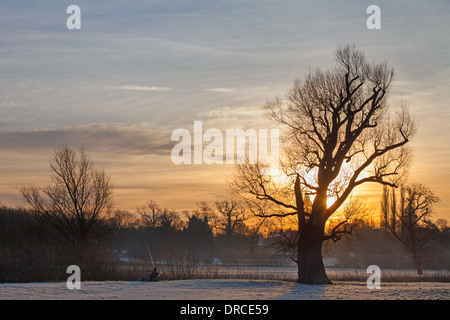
(170, 220)
(205, 212)
(384, 217)
(442, 224)
(411, 224)
(389, 207)
(352, 215)
(124, 219)
(232, 216)
(339, 135)
(78, 200)
(151, 213)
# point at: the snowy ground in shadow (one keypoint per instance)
(224, 290)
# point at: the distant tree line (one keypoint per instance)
(31, 250)
(202, 234)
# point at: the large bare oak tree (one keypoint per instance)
(339, 135)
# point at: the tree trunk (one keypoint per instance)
(417, 262)
(311, 269)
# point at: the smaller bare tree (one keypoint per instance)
(170, 220)
(78, 200)
(151, 214)
(124, 219)
(232, 216)
(353, 214)
(410, 223)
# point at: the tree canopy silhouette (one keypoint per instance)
(339, 135)
(408, 219)
(78, 199)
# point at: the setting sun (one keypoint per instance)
(330, 200)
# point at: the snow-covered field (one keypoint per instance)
(229, 289)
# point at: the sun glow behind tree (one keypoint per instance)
(341, 135)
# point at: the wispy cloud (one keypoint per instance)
(101, 137)
(241, 90)
(12, 104)
(5, 120)
(222, 90)
(227, 112)
(131, 87)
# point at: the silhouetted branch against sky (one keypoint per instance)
(340, 135)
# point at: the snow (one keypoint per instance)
(229, 289)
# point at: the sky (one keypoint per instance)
(138, 70)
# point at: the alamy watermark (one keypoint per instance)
(73, 281)
(374, 20)
(374, 280)
(74, 20)
(236, 146)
